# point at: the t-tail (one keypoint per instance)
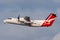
(49, 20)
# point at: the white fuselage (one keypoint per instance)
(15, 21)
(36, 23)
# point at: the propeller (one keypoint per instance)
(18, 17)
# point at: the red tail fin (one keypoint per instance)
(51, 16)
(49, 20)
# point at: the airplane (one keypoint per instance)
(26, 21)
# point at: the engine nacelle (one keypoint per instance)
(27, 18)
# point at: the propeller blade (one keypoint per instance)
(18, 17)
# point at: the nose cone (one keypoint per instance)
(5, 21)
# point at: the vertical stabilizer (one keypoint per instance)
(51, 16)
(49, 20)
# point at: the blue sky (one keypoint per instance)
(36, 9)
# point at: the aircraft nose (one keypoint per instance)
(5, 21)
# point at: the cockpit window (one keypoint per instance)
(9, 18)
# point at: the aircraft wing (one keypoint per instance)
(26, 22)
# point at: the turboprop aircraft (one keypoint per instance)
(26, 21)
